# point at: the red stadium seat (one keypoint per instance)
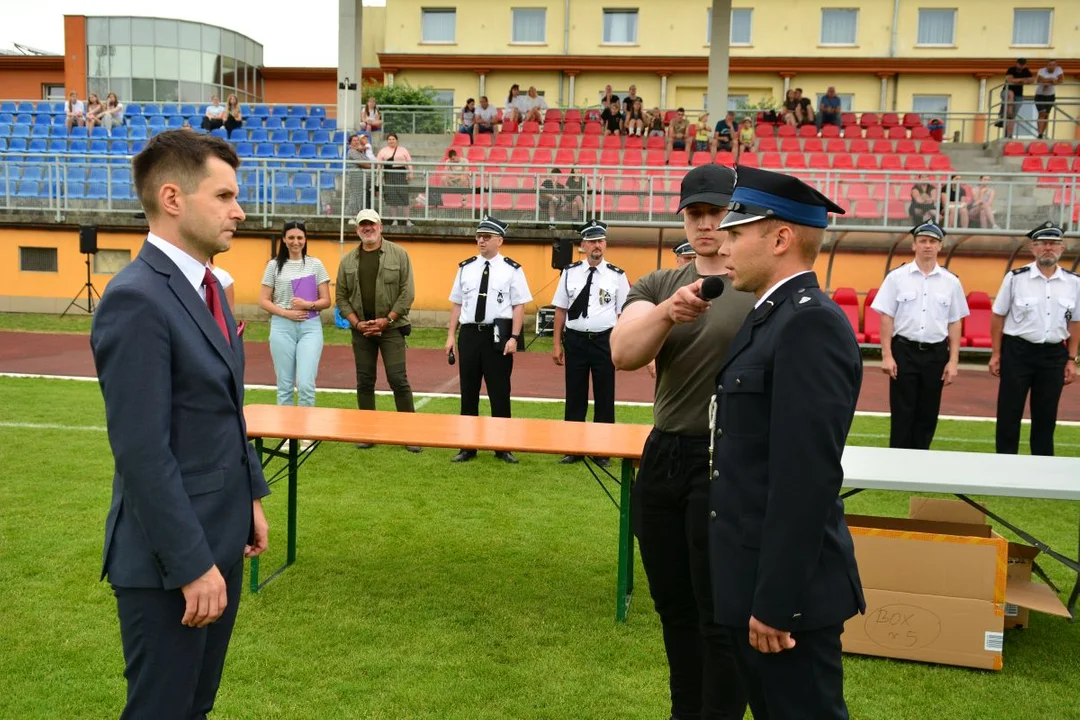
(1013, 149)
(788, 145)
(849, 303)
(814, 144)
(874, 132)
(865, 209)
(852, 131)
(858, 146)
(871, 318)
(912, 120)
(771, 161)
(890, 120)
(1038, 148)
(830, 131)
(808, 131)
(905, 147)
(920, 133)
(835, 145)
(976, 326)
(897, 133)
(929, 147)
(882, 147)
(869, 119)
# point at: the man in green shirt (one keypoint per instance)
(665, 319)
(375, 291)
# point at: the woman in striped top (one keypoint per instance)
(295, 287)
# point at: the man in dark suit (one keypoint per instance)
(186, 504)
(783, 563)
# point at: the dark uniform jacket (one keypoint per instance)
(786, 393)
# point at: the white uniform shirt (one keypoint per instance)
(921, 306)
(607, 295)
(507, 287)
(1036, 308)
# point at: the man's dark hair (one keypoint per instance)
(179, 157)
(798, 90)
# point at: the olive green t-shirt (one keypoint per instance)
(369, 278)
(690, 358)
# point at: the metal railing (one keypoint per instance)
(1061, 121)
(52, 187)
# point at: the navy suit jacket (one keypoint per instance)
(186, 474)
(779, 547)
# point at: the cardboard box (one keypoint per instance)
(937, 589)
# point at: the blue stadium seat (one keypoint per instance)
(34, 173)
(317, 111)
(169, 109)
(99, 146)
(339, 138)
(7, 118)
(282, 178)
(57, 145)
(24, 119)
(137, 146)
(123, 191)
(308, 152)
(260, 111)
(20, 131)
(132, 110)
(258, 135)
(76, 132)
(79, 145)
(97, 191)
(45, 119)
(175, 122)
(26, 107)
(320, 137)
(299, 137)
(220, 133)
(293, 123)
(76, 190)
(98, 175)
(151, 110)
(279, 111)
(245, 195)
(303, 180)
(39, 145)
(137, 133)
(297, 111)
(17, 144)
(309, 196)
(60, 130)
(285, 150)
(329, 152)
(156, 122)
(188, 110)
(245, 149)
(3, 144)
(136, 122)
(99, 133)
(326, 180)
(40, 131)
(279, 136)
(75, 173)
(313, 123)
(264, 150)
(118, 147)
(284, 195)
(57, 120)
(8, 107)
(28, 189)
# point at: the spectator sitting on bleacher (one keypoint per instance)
(981, 209)
(923, 207)
(635, 119)
(702, 140)
(468, 118)
(830, 110)
(113, 116)
(630, 99)
(789, 111)
(456, 174)
(655, 121)
(94, 111)
(608, 96)
(512, 112)
(747, 137)
(74, 111)
(954, 212)
(215, 114)
(370, 117)
(677, 131)
(233, 117)
(576, 187)
(552, 194)
(726, 130)
(485, 117)
(533, 106)
(805, 112)
(612, 116)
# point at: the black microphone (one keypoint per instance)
(711, 288)
(450, 358)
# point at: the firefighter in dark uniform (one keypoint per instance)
(783, 562)
(489, 296)
(588, 300)
(1035, 337)
(921, 306)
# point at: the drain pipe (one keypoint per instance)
(564, 101)
(895, 29)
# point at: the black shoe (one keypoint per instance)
(570, 459)
(364, 446)
(507, 457)
(464, 456)
(414, 448)
(601, 462)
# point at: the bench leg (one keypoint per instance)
(1076, 587)
(624, 591)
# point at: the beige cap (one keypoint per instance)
(368, 215)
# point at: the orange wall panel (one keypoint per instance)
(75, 54)
(26, 84)
(302, 92)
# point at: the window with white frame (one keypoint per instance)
(839, 26)
(846, 101)
(931, 106)
(741, 20)
(620, 27)
(529, 25)
(1032, 27)
(937, 26)
(438, 25)
(737, 102)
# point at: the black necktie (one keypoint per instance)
(482, 296)
(580, 306)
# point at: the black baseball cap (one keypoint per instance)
(712, 184)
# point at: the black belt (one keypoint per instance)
(590, 335)
(920, 345)
(1052, 343)
(479, 326)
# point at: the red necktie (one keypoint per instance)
(213, 303)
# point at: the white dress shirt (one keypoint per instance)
(922, 306)
(607, 295)
(507, 288)
(1037, 308)
(192, 269)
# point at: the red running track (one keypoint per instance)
(973, 394)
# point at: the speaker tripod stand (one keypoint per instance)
(91, 293)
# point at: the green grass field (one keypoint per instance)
(429, 590)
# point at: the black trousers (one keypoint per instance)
(670, 516)
(391, 344)
(915, 394)
(589, 354)
(482, 360)
(1039, 368)
(803, 683)
(172, 671)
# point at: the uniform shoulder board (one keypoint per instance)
(808, 298)
(574, 264)
(616, 268)
(511, 263)
(465, 262)
(1020, 270)
(1070, 272)
(902, 265)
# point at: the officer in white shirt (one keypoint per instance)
(1035, 337)
(588, 300)
(489, 296)
(921, 305)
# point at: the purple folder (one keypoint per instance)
(306, 289)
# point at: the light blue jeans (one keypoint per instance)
(296, 348)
